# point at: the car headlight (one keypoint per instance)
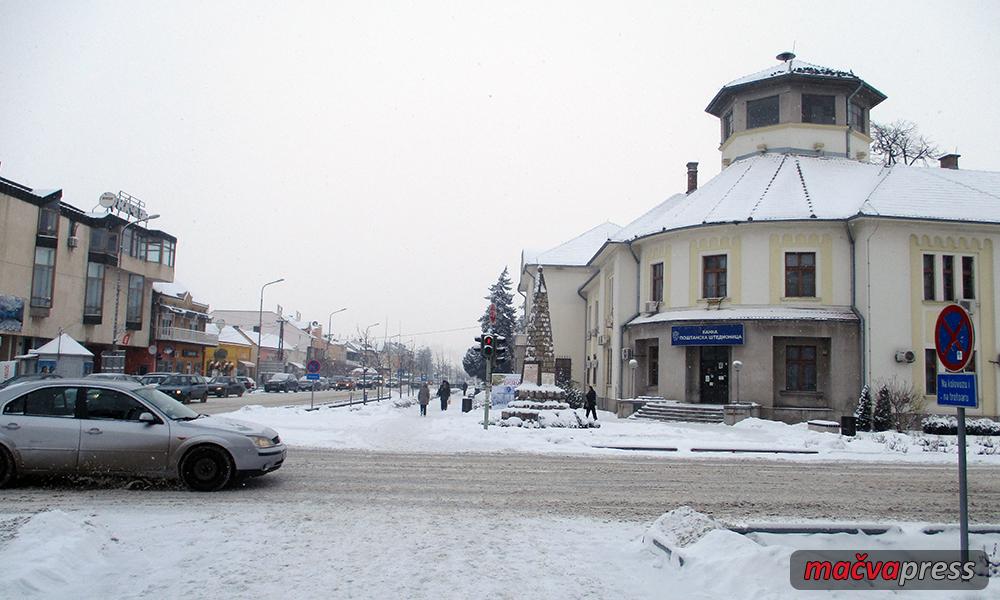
(261, 441)
(178, 392)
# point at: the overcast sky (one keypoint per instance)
(393, 157)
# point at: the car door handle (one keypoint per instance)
(94, 431)
(11, 426)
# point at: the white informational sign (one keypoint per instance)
(548, 378)
(531, 373)
(8, 368)
(504, 388)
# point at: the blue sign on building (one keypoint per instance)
(707, 335)
(957, 389)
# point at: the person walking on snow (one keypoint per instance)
(444, 392)
(465, 387)
(591, 403)
(424, 397)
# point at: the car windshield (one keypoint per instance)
(175, 380)
(152, 379)
(168, 406)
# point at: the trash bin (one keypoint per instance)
(849, 425)
(466, 403)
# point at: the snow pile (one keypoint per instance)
(678, 529)
(535, 414)
(46, 552)
(948, 425)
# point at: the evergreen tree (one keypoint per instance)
(502, 296)
(882, 419)
(863, 413)
(474, 364)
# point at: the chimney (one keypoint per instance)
(949, 161)
(693, 176)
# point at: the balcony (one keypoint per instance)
(191, 336)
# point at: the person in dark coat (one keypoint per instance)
(465, 387)
(444, 392)
(424, 397)
(591, 403)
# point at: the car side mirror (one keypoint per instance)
(147, 418)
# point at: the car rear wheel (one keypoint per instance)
(6, 467)
(204, 397)
(207, 469)
(239, 394)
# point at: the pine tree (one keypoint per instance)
(474, 364)
(863, 413)
(502, 296)
(882, 419)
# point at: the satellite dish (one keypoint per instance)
(108, 199)
(785, 56)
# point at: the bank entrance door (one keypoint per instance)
(714, 374)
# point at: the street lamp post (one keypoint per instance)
(364, 365)
(260, 325)
(118, 281)
(329, 327)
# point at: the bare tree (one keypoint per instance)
(900, 142)
(906, 404)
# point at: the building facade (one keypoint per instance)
(88, 275)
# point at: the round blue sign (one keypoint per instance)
(954, 337)
(312, 366)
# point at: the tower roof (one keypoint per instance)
(792, 70)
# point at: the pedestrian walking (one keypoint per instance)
(465, 387)
(591, 403)
(444, 392)
(424, 397)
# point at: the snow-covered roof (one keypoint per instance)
(745, 313)
(228, 334)
(63, 345)
(794, 66)
(173, 289)
(575, 252)
(780, 187)
(269, 340)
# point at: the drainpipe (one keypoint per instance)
(854, 305)
(621, 335)
(847, 114)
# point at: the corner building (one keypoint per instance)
(815, 269)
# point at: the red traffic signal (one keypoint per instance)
(488, 346)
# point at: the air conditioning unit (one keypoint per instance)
(652, 306)
(72, 241)
(609, 322)
(626, 354)
(968, 305)
(905, 356)
(603, 339)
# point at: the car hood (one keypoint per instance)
(227, 425)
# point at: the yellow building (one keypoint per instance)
(239, 356)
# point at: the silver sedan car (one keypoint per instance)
(113, 427)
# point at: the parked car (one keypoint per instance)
(184, 387)
(25, 377)
(343, 383)
(317, 385)
(153, 378)
(223, 386)
(282, 382)
(144, 433)
(114, 377)
(248, 383)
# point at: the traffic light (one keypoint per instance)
(488, 346)
(500, 351)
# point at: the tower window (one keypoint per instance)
(762, 112)
(819, 109)
(858, 118)
(727, 125)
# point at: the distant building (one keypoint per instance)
(180, 338)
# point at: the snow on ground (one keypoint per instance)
(386, 426)
(295, 551)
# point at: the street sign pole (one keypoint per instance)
(963, 488)
(954, 340)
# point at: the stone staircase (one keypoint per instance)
(679, 411)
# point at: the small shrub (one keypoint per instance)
(863, 413)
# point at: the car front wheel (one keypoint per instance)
(206, 469)
(6, 467)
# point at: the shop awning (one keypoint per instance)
(781, 313)
(297, 365)
(247, 363)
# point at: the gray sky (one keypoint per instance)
(393, 158)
